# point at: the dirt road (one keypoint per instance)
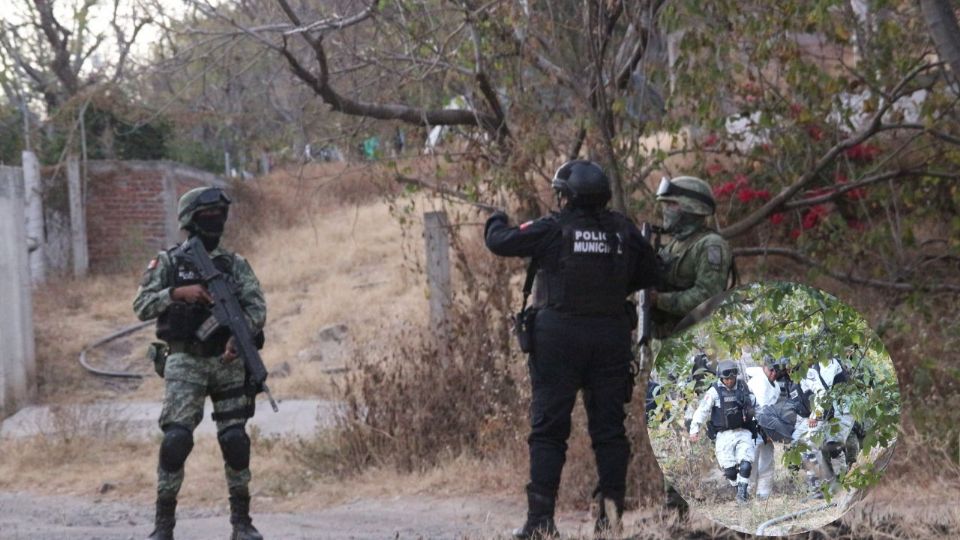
(42, 517)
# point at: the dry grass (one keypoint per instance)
(68, 315)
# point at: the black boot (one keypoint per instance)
(243, 528)
(539, 525)
(609, 516)
(743, 494)
(165, 520)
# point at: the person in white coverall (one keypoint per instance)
(728, 405)
(822, 462)
(761, 380)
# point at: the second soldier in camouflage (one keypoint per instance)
(697, 261)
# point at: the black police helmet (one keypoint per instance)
(583, 182)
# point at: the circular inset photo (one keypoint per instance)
(774, 413)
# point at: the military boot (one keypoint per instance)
(743, 494)
(243, 528)
(540, 524)
(165, 520)
(609, 523)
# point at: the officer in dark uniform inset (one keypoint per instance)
(590, 259)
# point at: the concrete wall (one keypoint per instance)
(131, 210)
(18, 379)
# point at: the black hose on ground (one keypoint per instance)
(118, 334)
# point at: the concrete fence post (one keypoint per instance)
(436, 234)
(78, 218)
(33, 199)
(17, 363)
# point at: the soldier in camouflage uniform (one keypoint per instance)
(172, 293)
(697, 261)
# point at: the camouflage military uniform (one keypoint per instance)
(696, 265)
(697, 261)
(190, 377)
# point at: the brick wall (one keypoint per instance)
(131, 209)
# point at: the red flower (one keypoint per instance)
(741, 179)
(815, 132)
(795, 233)
(856, 225)
(777, 218)
(710, 140)
(813, 216)
(745, 195)
(795, 110)
(714, 168)
(856, 194)
(762, 194)
(724, 190)
(862, 152)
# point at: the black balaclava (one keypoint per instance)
(209, 226)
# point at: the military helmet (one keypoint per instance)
(692, 194)
(774, 362)
(727, 368)
(197, 199)
(583, 182)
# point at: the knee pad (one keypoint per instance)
(745, 468)
(833, 448)
(235, 446)
(176, 446)
(730, 473)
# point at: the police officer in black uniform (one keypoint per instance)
(589, 260)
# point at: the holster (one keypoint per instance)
(157, 352)
(525, 319)
(523, 326)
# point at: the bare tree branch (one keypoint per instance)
(458, 196)
(848, 278)
(840, 189)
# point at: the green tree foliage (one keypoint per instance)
(806, 326)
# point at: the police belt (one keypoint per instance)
(194, 348)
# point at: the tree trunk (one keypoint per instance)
(33, 202)
(941, 21)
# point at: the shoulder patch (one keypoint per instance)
(153, 264)
(525, 225)
(714, 255)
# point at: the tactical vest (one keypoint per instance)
(592, 274)
(670, 262)
(798, 398)
(728, 411)
(180, 321)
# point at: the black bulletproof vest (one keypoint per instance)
(728, 412)
(180, 321)
(592, 273)
(799, 399)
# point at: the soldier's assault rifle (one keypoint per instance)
(228, 313)
(644, 304)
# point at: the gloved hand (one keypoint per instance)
(191, 294)
(499, 215)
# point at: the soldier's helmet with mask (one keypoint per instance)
(693, 197)
(203, 211)
(197, 199)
